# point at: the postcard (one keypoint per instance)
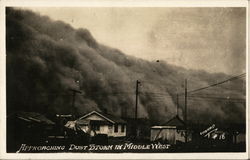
(124, 80)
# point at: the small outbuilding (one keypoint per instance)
(27, 128)
(172, 132)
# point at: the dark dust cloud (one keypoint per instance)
(45, 59)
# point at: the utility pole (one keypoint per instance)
(185, 114)
(136, 98)
(136, 107)
(74, 91)
(177, 104)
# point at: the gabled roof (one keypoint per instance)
(70, 124)
(108, 117)
(82, 122)
(162, 127)
(34, 117)
(175, 121)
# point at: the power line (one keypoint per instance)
(162, 95)
(212, 85)
(213, 100)
(157, 93)
(214, 94)
(109, 93)
(202, 97)
(217, 98)
(218, 83)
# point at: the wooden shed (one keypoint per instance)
(172, 132)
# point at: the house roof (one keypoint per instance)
(162, 127)
(34, 117)
(108, 117)
(70, 124)
(175, 121)
(82, 122)
(76, 125)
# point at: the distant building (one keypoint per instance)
(240, 138)
(32, 119)
(102, 123)
(238, 133)
(28, 128)
(171, 132)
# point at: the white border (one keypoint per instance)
(127, 3)
(111, 3)
(247, 81)
(2, 81)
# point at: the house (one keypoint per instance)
(31, 120)
(102, 123)
(172, 132)
(238, 133)
(27, 128)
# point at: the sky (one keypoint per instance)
(210, 39)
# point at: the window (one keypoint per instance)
(116, 127)
(96, 127)
(110, 126)
(123, 128)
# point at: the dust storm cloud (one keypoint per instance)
(47, 58)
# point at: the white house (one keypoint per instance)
(102, 123)
(172, 131)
